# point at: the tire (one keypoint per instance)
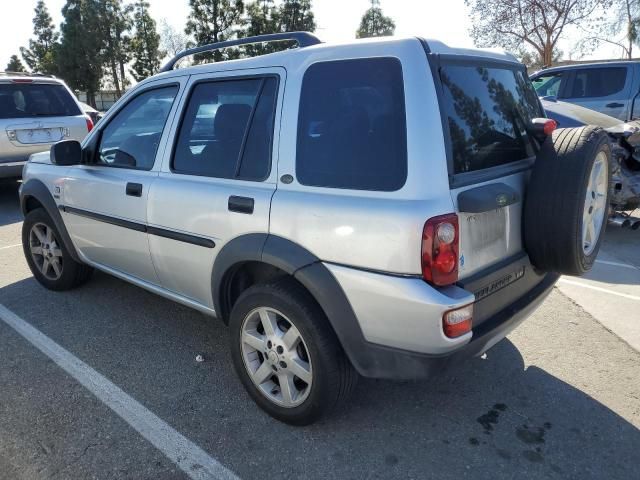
(562, 200)
(332, 376)
(37, 226)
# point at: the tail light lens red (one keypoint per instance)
(456, 323)
(89, 124)
(440, 249)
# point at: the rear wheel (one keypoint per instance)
(286, 354)
(46, 255)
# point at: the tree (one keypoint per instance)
(296, 16)
(375, 24)
(172, 41)
(262, 18)
(79, 54)
(39, 55)
(624, 19)
(537, 25)
(15, 65)
(115, 28)
(145, 44)
(212, 21)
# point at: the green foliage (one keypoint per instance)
(374, 23)
(145, 44)
(115, 27)
(296, 16)
(79, 54)
(212, 21)
(39, 55)
(15, 65)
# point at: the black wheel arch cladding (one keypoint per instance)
(310, 272)
(37, 190)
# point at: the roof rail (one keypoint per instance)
(304, 39)
(25, 74)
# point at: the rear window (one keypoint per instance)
(352, 126)
(598, 82)
(20, 100)
(488, 110)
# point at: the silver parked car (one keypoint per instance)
(36, 111)
(379, 208)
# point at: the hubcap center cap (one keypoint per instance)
(272, 357)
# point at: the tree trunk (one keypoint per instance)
(91, 98)
(114, 74)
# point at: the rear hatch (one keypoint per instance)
(488, 107)
(35, 115)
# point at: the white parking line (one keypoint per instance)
(617, 264)
(11, 246)
(599, 289)
(190, 458)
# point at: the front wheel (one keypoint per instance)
(286, 354)
(46, 255)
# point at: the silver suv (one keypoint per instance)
(346, 209)
(36, 111)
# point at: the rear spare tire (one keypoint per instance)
(567, 202)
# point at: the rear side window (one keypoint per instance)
(598, 82)
(352, 125)
(227, 130)
(21, 100)
(488, 110)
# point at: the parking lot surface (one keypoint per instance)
(560, 398)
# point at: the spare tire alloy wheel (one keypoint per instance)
(45, 251)
(276, 357)
(595, 205)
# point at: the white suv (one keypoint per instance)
(379, 207)
(36, 111)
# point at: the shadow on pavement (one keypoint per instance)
(9, 202)
(492, 418)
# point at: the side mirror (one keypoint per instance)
(67, 152)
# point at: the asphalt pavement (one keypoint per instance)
(107, 378)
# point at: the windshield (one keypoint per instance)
(547, 85)
(20, 100)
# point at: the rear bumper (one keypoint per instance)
(11, 169)
(373, 358)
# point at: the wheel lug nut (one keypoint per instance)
(283, 365)
(279, 349)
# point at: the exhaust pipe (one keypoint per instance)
(623, 222)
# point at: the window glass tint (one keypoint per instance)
(352, 125)
(547, 85)
(227, 130)
(598, 82)
(488, 111)
(19, 100)
(131, 138)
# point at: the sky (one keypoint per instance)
(337, 20)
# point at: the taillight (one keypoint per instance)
(440, 238)
(543, 127)
(456, 323)
(89, 124)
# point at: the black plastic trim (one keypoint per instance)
(36, 189)
(240, 204)
(141, 227)
(487, 198)
(304, 39)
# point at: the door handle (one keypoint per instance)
(134, 189)
(614, 105)
(241, 204)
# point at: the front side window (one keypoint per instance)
(352, 125)
(548, 85)
(489, 110)
(598, 82)
(227, 130)
(132, 136)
